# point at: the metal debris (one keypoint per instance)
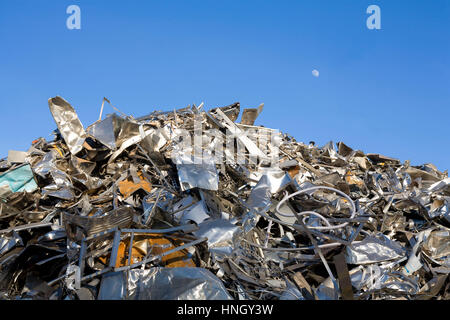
(194, 204)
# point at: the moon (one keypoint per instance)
(315, 73)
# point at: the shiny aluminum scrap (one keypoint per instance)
(115, 211)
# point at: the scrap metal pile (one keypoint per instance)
(129, 208)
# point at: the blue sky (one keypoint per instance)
(381, 91)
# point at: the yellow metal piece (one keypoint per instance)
(59, 151)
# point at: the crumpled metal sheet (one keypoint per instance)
(104, 131)
(184, 283)
(46, 165)
(374, 249)
(260, 197)
(259, 201)
(220, 234)
(68, 123)
(277, 179)
(437, 246)
(196, 213)
(62, 186)
(192, 175)
(153, 284)
(369, 276)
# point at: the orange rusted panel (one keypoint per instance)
(128, 187)
(153, 244)
(294, 171)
